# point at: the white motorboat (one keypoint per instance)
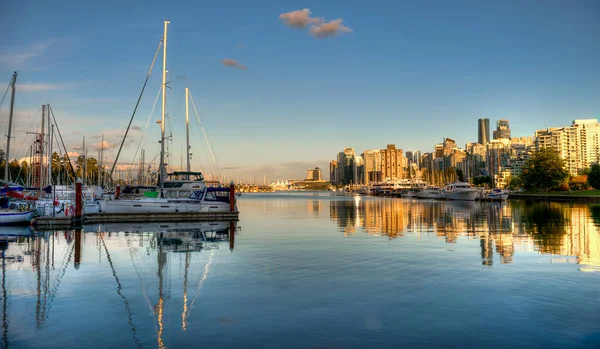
(460, 191)
(496, 195)
(206, 200)
(429, 193)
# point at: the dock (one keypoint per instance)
(42, 223)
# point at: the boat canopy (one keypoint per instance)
(198, 175)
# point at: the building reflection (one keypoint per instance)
(502, 228)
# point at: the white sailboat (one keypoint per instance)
(203, 200)
(12, 213)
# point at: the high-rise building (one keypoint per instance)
(332, 171)
(410, 158)
(372, 167)
(417, 158)
(483, 127)
(589, 141)
(392, 161)
(497, 160)
(502, 130)
(565, 140)
(346, 170)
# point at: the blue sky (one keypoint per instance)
(403, 73)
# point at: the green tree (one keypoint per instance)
(594, 177)
(460, 175)
(544, 170)
(482, 180)
(515, 183)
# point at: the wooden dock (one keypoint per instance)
(55, 223)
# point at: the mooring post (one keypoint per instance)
(231, 235)
(118, 192)
(232, 197)
(78, 202)
(77, 248)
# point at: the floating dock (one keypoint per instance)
(42, 223)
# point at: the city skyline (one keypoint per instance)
(281, 87)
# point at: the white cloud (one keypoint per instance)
(42, 87)
(299, 19)
(328, 29)
(232, 63)
(19, 58)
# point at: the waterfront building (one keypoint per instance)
(372, 166)
(589, 141)
(346, 167)
(565, 140)
(358, 170)
(483, 128)
(392, 162)
(502, 130)
(526, 141)
(497, 160)
(409, 157)
(417, 158)
(332, 171)
(314, 174)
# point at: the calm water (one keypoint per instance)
(314, 271)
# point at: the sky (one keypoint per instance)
(281, 86)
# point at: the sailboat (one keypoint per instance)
(202, 200)
(12, 213)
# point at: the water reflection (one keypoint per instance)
(47, 256)
(502, 228)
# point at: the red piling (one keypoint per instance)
(118, 192)
(78, 200)
(232, 197)
(231, 235)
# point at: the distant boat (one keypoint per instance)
(460, 191)
(430, 193)
(495, 195)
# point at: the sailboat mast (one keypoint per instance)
(10, 118)
(101, 171)
(187, 131)
(49, 156)
(162, 169)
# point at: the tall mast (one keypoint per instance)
(51, 156)
(50, 129)
(162, 169)
(42, 138)
(101, 171)
(12, 105)
(187, 131)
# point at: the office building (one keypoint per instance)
(502, 130)
(483, 127)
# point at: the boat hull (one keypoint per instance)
(10, 217)
(161, 206)
(434, 196)
(465, 195)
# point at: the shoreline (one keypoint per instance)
(555, 197)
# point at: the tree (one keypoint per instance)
(594, 177)
(482, 180)
(460, 175)
(578, 182)
(515, 183)
(544, 170)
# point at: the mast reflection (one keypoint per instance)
(37, 253)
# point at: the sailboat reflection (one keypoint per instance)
(170, 238)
